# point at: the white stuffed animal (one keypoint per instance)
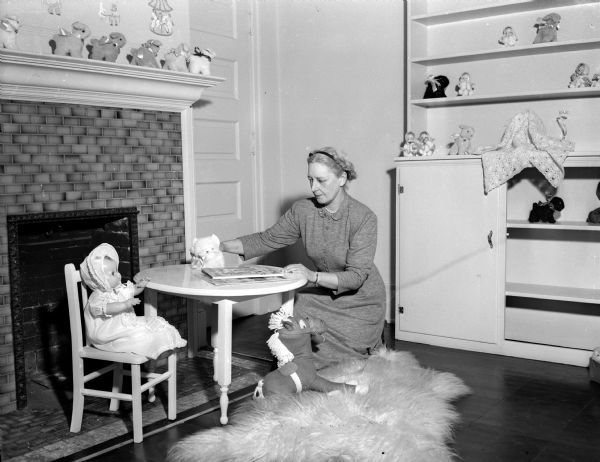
(206, 253)
(199, 62)
(9, 26)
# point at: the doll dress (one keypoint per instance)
(524, 144)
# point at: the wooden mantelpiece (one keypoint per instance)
(64, 79)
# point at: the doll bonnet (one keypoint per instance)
(92, 268)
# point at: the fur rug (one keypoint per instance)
(406, 416)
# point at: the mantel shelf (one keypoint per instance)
(65, 79)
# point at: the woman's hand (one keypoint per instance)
(298, 270)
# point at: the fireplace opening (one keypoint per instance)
(39, 246)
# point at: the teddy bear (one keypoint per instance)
(9, 26)
(465, 87)
(176, 59)
(71, 43)
(146, 54)
(206, 252)
(546, 212)
(436, 86)
(199, 62)
(547, 28)
(579, 78)
(461, 142)
(107, 48)
(509, 37)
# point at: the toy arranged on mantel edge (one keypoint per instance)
(296, 371)
(107, 48)
(594, 215)
(546, 212)
(9, 27)
(70, 43)
(146, 54)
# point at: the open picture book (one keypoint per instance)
(243, 272)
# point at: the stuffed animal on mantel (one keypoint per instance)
(291, 345)
(546, 212)
(107, 48)
(594, 215)
(176, 59)
(71, 43)
(9, 26)
(199, 62)
(146, 54)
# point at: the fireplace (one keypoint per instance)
(40, 244)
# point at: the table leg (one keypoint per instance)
(287, 299)
(150, 302)
(192, 323)
(223, 354)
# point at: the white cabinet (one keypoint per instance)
(536, 292)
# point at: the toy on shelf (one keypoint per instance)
(546, 212)
(9, 27)
(436, 86)
(594, 215)
(176, 59)
(509, 37)
(547, 28)
(107, 48)
(71, 43)
(465, 87)
(199, 62)
(146, 54)
(296, 371)
(461, 142)
(426, 147)
(594, 366)
(596, 80)
(409, 147)
(580, 78)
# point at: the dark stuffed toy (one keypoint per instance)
(547, 28)
(594, 215)
(436, 86)
(291, 345)
(546, 212)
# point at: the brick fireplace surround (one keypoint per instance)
(79, 134)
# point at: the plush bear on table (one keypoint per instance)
(291, 345)
(546, 212)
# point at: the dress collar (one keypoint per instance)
(339, 213)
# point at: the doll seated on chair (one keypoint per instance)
(291, 345)
(111, 323)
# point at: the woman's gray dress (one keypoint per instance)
(342, 243)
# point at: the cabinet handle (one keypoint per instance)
(491, 244)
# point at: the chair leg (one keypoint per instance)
(136, 403)
(117, 386)
(172, 384)
(77, 413)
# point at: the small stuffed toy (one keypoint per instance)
(199, 62)
(9, 26)
(146, 54)
(71, 43)
(594, 215)
(509, 38)
(291, 345)
(461, 142)
(436, 86)
(546, 212)
(426, 145)
(580, 78)
(206, 252)
(594, 367)
(409, 147)
(176, 59)
(465, 87)
(107, 48)
(547, 28)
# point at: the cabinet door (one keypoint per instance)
(448, 249)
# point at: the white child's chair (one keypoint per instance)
(77, 297)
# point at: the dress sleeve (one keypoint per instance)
(97, 303)
(283, 233)
(360, 256)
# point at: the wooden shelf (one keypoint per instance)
(510, 7)
(569, 294)
(501, 98)
(509, 52)
(560, 225)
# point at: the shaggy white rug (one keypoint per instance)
(406, 416)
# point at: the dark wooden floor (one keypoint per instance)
(520, 410)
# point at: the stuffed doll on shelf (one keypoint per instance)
(436, 86)
(580, 78)
(509, 37)
(547, 28)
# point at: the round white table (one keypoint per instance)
(184, 281)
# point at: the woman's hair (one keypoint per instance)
(334, 159)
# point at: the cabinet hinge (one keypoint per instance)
(401, 309)
(400, 189)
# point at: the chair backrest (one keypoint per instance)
(77, 297)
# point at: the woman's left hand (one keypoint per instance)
(298, 270)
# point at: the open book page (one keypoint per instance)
(245, 272)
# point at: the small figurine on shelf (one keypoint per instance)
(107, 48)
(425, 144)
(594, 215)
(579, 78)
(146, 54)
(596, 80)
(547, 28)
(199, 62)
(546, 212)
(461, 142)
(176, 59)
(509, 37)
(9, 26)
(410, 146)
(436, 86)
(70, 43)
(465, 87)
(594, 365)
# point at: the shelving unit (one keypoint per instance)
(544, 301)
